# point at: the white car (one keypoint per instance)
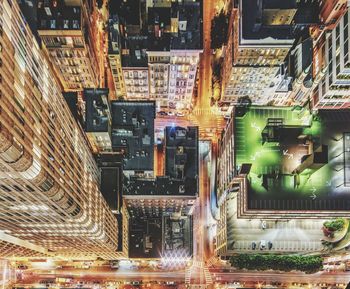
(180, 114)
(263, 225)
(171, 113)
(262, 244)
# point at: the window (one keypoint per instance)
(53, 24)
(65, 24)
(47, 184)
(76, 24)
(17, 188)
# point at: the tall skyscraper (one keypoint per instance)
(48, 177)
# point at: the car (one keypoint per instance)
(115, 265)
(269, 245)
(171, 113)
(262, 244)
(22, 267)
(180, 114)
(263, 225)
(163, 113)
(253, 245)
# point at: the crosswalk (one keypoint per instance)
(205, 111)
(197, 264)
(212, 261)
(198, 267)
(207, 275)
(188, 274)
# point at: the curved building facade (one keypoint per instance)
(49, 193)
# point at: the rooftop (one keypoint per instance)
(181, 152)
(160, 186)
(294, 160)
(189, 34)
(134, 51)
(111, 179)
(177, 26)
(61, 17)
(129, 11)
(98, 116)
(133, 133)
(267, 21)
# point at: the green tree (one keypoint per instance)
(219, 30)
(308, 264)
(334, 225)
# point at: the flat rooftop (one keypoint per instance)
(160, 186)
(294, 160)
(154, 237)
(133, 133)
(267, 20)
(181, 152)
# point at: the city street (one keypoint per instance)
(95, 275)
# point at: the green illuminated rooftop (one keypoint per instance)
(298, 159)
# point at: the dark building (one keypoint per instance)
(133, 134)
(29, 11)
(110, 166)
(181, 153)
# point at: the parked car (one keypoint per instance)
(253, 245)
(263, 225)
(163, 113)
(115, 265)
(269, 245)
(22, 267)
(180, 114)
(262, 244)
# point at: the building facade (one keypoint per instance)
(261, 42)
(49, 179)
(67, 34)
(155, 59)
(253, 186)
(332, 81)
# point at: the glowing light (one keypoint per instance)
(175, 259)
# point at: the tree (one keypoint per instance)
(334, 225)
(219, 29)
(308, 264)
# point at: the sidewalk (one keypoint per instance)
(285, 235)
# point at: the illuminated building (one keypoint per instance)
(71, 42)
(155, 59)
(282, 163)
(260, 47)
(300, 68)
(165, 202)
(114, 56)
(332, 66)
(48, 177)
(177, 190)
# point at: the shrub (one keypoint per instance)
(308, 264)
(334, 225)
